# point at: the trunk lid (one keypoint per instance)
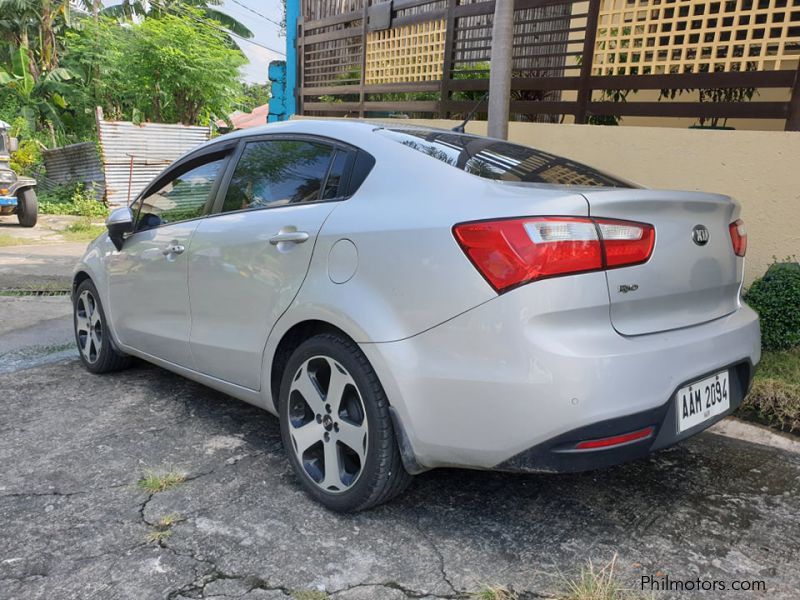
(686, 281)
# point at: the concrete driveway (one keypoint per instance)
(75, 522)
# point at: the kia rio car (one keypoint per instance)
(408, 298)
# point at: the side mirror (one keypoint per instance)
(119, 222)
(13, 145)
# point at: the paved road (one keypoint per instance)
(75, 525)
(39, 266)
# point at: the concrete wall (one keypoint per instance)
(761, 169)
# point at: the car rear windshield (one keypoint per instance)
(494, 159)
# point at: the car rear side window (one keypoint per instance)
(278, 172)
(334, 185)
(495, 159)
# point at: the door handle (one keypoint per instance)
(174, 249)
(297, 237)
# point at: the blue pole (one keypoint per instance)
(292, 17)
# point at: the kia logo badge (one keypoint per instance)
(700, 235)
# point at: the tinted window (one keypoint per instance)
(334, 186)
(182, 198)
(493, 159)
(277, 172)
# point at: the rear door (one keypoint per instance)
(693, 274)
(148, 287)
(246, 264)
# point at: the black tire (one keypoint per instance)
(27, 207)
(382, 475)
(106, 358)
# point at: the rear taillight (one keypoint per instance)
(510, 252)
(738, 237)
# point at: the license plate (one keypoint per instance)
(702, 400)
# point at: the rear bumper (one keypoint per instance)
(502, 385)
(8, 200)
(558, 455)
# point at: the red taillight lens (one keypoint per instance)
(738, 237)
(626, 243)
(510, 252)
(616, 440)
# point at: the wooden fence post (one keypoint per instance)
(449, 51)
(584, 89)
(793, 112)
(361, 95)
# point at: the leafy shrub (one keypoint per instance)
(776, 299)
(26, 158)
(72, 199)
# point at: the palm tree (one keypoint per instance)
(131, 9)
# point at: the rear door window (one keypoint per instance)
(496, 159)
(278, 172)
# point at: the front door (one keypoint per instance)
(148, 287)
(246, 264)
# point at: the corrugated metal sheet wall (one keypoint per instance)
(135, 154)
(72, 164)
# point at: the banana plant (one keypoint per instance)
(131, 9)
(41, 100)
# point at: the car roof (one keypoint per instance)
(323, 127)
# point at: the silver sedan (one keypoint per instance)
(408, 298)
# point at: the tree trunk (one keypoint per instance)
(500, 68)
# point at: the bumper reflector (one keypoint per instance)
(616, 440)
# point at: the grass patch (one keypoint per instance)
(158, 536)
(163, 529)
(596, 583)
(160, 482)
(775, 396)
(10, 240)
(309, 595)
(83, 230)
(71, 199)
(495, 592)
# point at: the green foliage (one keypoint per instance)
(182, 71)
(253, 95)
(176, 65)
(776, 299)
(83, 231)
(25, 160)
(72, 199)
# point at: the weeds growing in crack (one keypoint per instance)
(495, 592)
(596, 583)
(153, 482)
(162, 529)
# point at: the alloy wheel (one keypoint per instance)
(89, 326)
(328, 424)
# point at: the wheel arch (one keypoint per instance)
(77, 279)
(22, 184)
(289, 342)
(306, 329)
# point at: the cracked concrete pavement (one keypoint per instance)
(74, 524)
